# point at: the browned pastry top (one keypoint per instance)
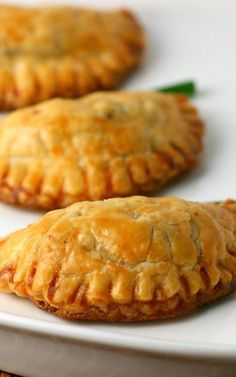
(100, 146)
(125, 259)
(64, 51)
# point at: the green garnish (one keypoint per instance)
(185, 87)
(217, 203)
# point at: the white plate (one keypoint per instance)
(187, 39)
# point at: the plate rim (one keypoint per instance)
(180, 349)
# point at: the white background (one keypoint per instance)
(186, 40)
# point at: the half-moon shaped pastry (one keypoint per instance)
(100, 146)
(64, 51)
(124, 259)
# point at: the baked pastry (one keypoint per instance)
(102, 145)
(64, 51)
(124, 259)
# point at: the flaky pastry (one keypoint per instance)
(100, 146)
(64, 51)
(124, 259)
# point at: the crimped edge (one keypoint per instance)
(114, 314)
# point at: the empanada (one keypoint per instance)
(124, 259)
(64, 51)
(100, 146)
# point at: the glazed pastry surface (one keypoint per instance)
(100, 146)
(124, 259)
(64, 51)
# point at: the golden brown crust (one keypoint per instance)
(64, 51)
(103, 145)
(124, 259)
